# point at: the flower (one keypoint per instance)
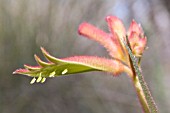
(118, 63)
(136, 38)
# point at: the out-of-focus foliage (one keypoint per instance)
(25, 25)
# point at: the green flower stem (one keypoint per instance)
(147, 95)
(140, 84)
(144, 87)
(140, 95)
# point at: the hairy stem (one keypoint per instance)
(140, 94)
(142, 88)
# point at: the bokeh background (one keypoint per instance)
(25, 25)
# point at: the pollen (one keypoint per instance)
(43, 80)
(64, 71)
(39, 78)
(33, 80)
(52, 74)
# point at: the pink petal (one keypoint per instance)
(32, 67)
(105, 39)
(113, 66)
(137, 43)
(134, 27)
(133, 38)
(116, 26)
(20, 71)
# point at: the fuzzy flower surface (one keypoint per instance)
(118, 63)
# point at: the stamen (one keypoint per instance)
(33, 80)
(64, 71)
(52, 74)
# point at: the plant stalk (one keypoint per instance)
(140, 95)
(142, 89)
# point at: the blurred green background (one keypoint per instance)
(25, 25)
